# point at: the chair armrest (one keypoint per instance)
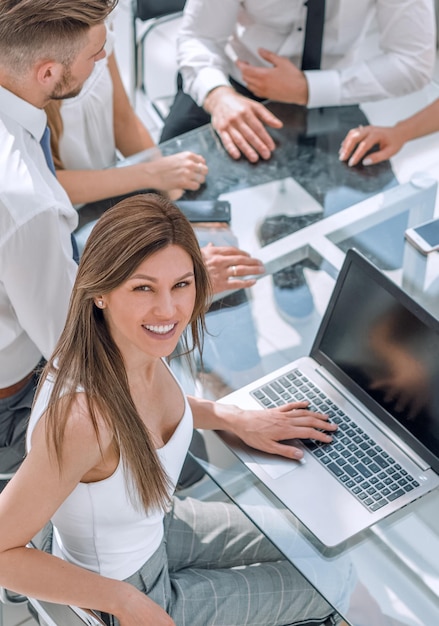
(61, 614)
(64, 615)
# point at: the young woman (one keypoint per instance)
(87, 133)
(107, 438)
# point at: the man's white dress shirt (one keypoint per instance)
(37, 270)
(372, 49)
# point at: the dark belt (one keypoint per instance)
(7, 392)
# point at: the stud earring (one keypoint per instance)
(101, 304)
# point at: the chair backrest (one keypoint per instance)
(160, 18)
(149, 9)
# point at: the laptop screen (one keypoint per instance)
(385, 349)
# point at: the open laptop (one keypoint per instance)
(374, 368)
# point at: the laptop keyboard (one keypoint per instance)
(354, 458)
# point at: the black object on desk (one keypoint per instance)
(205, 210)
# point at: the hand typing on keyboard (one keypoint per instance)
(268, 429)
(355, 459)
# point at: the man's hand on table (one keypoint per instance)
(240, 123)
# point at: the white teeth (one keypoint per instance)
(160, 330)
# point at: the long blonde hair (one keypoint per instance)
(86, 356)
(55, 123)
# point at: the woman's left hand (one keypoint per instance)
(268, 428)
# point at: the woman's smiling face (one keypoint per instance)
(149, 311)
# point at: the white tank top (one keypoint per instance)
(97, 526)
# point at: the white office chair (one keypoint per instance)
(50, 614)
(6, 475)
(6, 597)
(61, 615)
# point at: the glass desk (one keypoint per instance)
(301, 207)
(305, 208)
(397, 560)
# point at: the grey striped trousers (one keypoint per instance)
(214, 568)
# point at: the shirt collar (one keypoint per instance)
(33, 119)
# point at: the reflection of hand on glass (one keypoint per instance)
(406, 380)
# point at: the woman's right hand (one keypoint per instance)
(359, 141)
(184, 170)
(138, 609)
(230, 267)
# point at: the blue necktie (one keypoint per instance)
(45, 144)
(312, 47)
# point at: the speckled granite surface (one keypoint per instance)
(307, 149)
